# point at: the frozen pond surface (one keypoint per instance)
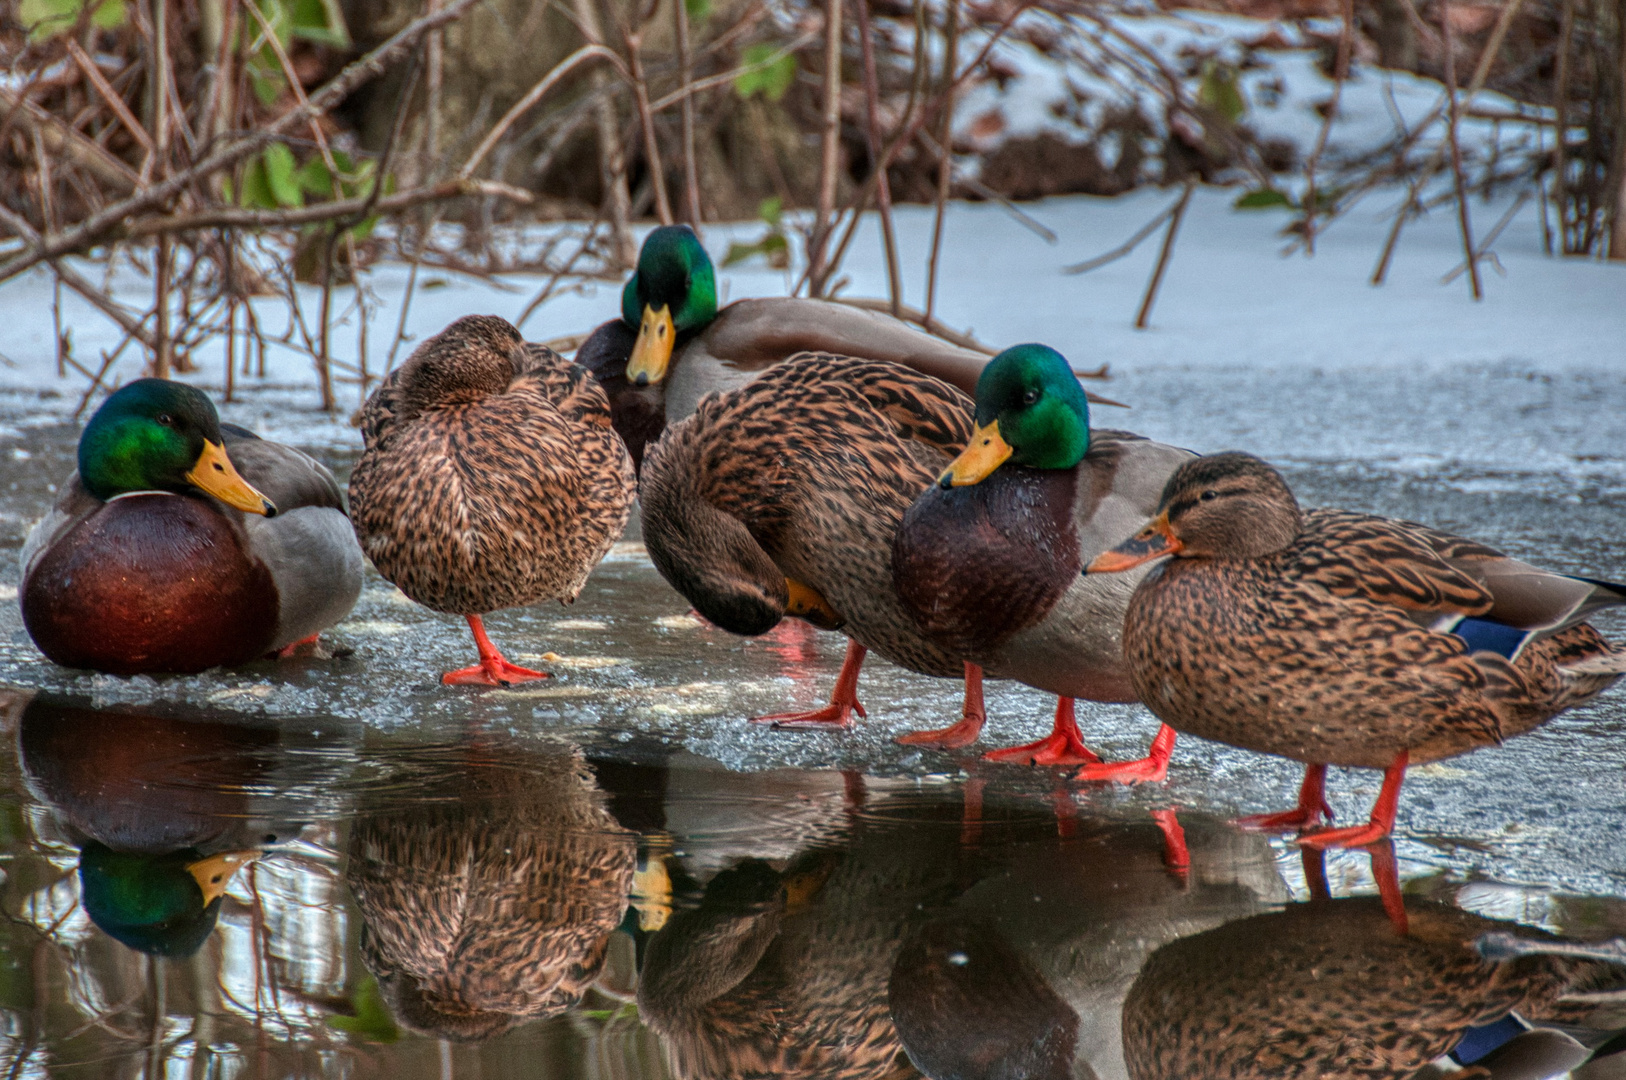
(406, 814)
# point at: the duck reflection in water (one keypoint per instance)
(490, 899)
(1343, 988)
(1025, 975)
(166, 803)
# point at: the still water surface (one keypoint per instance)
(612, 875)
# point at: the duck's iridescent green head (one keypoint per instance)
(157, 435)
(1030, 411)
(163, 904)
(672, 294)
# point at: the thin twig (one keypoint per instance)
(945, 151)
(691, 173)
(872, 138)
(1490, 237)
(1163, 256)
(646, 118)
(1340, 75)
(535, 94)
(829, 150)
(239, 218)
(1561, 106)
(1456, 153)
(1132, 243)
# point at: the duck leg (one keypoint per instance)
(1150, 769)
(1310, 811)
(843, 699)
(291, 650)
(1383, 814)
(1063, 746)
(972, 717)
(1176, 856)
(493, 669)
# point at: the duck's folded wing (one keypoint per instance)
(1387, 562)
(1527, 597)
(288, 477)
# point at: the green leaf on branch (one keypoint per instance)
(771, 80)
(280, 169)
(318, 21)
(698, 10)
(1219, 92)
(46, 19)
(1262, 199)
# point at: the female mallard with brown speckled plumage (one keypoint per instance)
(987, 561)
(491, 478)
(1329, 990)
(1346, 639)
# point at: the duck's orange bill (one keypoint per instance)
(653, 349)
(215, 474)
(808, 603)
(215, 873)
(1152, 542)
(986, 452)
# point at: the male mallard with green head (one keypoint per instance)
(490, 478)
(183, 543)
(1338, 638)
(988, 559)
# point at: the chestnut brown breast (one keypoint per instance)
(151, 583)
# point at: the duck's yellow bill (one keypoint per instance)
(1152, 542)
(653, 349)
(808, 603)
(215, 873)
(215, 474)
(986, 452)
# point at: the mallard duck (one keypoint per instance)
(780, 498)
(1329, 989)
(987, 560)
(1345, 639)
(672, 346)
(166, 807)
(182, 543)
(494, 903)
(490, 478)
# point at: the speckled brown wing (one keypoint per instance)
(805, 473)
(1389, 562)
(472, 506)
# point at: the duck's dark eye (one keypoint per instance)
(166, 419)
(1030, 397)
(1209, 496)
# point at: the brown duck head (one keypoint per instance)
(1223, 506)
(470, 359)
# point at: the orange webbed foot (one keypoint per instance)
(1151, 769)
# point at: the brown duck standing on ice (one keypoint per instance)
(491, 478)
(1339, 638)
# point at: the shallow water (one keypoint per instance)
(612, 874)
